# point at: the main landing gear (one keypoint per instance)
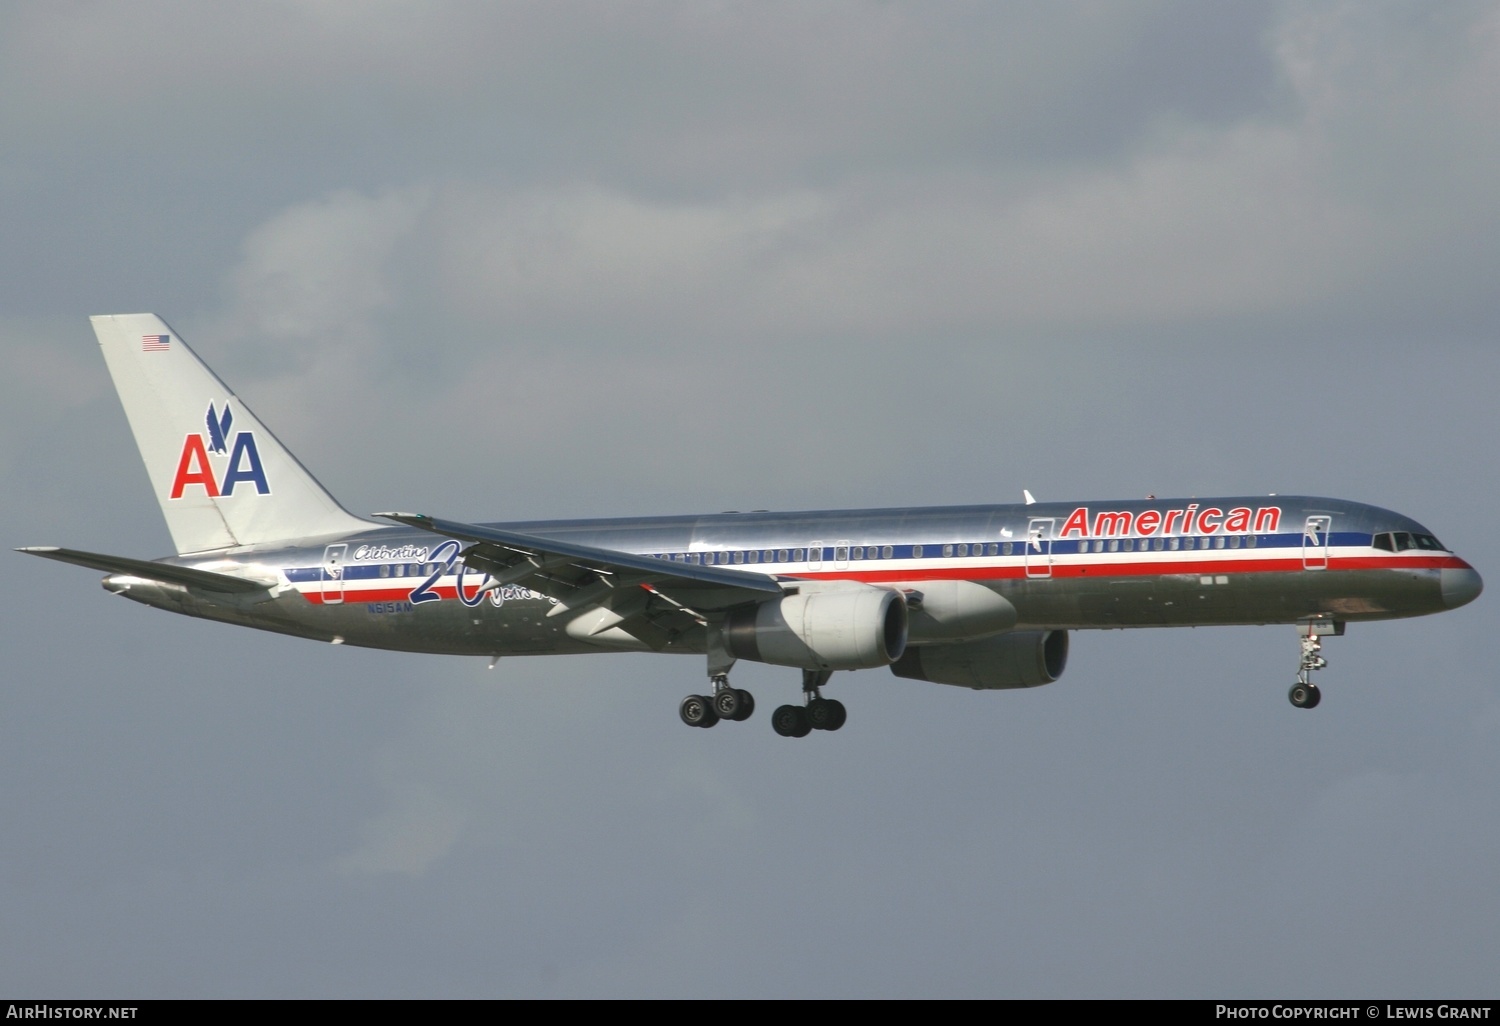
(818, 713)
(1304, 693)
(726, 703)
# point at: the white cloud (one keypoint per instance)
(415, 833)
(317, 274)
(1195, 223)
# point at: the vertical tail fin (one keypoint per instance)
(221, 477)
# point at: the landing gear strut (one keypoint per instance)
(726, 703)
(1304, 693)
(818, 713)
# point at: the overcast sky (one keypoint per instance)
(500, 261)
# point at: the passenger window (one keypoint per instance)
(916, 552)
(385, 569)
(1007, 549)
(1174, 543)
(947, 550)
(1114, 545)
(1219, 542)
(887, 552)
(799, 555)
(1158, 544)
(1251, 541)
(841, 553)
(992, 549)
(1234, 541)
(1129, 545)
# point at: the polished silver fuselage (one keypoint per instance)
(1061, 565)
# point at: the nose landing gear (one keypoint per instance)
(1304, 693)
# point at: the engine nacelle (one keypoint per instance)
(852, 627)
(1021, 659)
(955, 611)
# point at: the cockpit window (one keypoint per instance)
(1400, 541)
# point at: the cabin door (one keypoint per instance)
(1039, 547)
(333, 574)
(1315, 542)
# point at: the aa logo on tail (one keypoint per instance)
(243, 465)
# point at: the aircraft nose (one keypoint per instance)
(1460, 587)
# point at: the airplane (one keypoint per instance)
(979, 596)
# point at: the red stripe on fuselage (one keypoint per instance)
(1137, 568)
(354, 594)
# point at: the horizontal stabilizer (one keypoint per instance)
(149, 570)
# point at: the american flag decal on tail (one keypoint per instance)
(155, 343)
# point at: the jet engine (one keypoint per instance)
(1020, 659)
(853, 627)
(955, 611)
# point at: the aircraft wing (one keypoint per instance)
(652, 599)
(151, 571)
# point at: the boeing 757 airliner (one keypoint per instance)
(976, 596)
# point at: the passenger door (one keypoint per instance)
(1039, 547)
(1315, 542)
(333, 574)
